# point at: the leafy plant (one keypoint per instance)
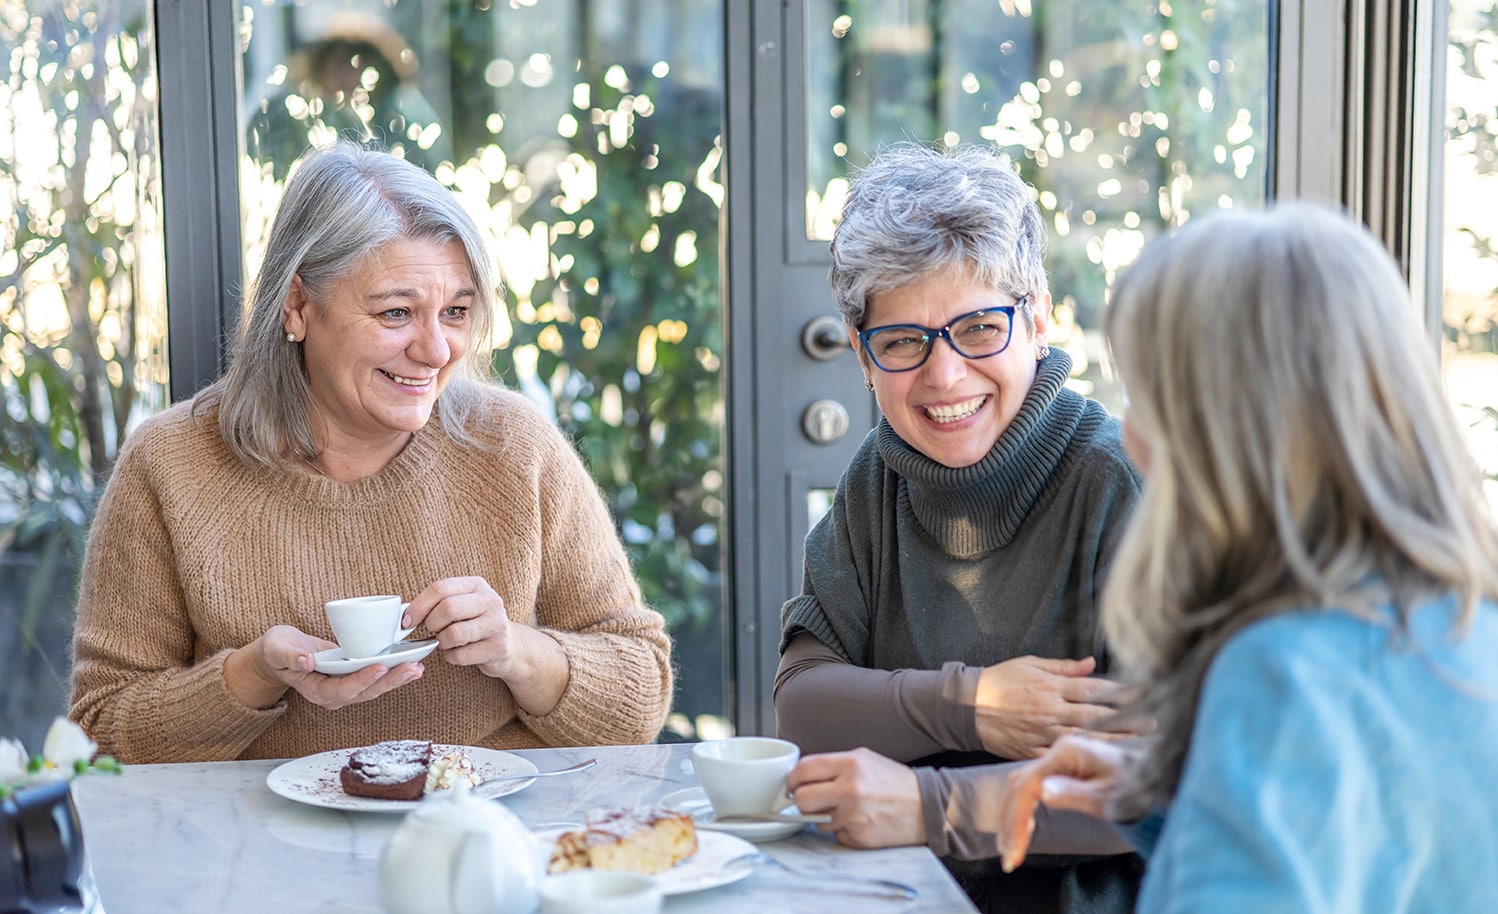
(74, 366)
(625, 332)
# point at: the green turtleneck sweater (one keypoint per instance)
(930, 573)
(918, 564)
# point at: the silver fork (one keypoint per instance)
(879, 888)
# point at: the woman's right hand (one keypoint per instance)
(1024, 705)
(1078, 773)
(260, 672)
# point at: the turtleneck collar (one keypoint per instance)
(975, 509)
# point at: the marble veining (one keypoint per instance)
(212, 837)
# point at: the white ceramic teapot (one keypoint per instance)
(458, 854)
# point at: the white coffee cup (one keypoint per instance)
(365, 626)
(745, 775)
(599, 892)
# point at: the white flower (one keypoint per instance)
(66, 745)
(12, 760)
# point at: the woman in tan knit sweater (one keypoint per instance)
(353, 447)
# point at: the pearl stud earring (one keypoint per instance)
(290, 337)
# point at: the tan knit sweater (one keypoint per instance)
(193, 554)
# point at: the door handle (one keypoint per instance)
(824, 338)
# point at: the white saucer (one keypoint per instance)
(333, 663)
(694, 802)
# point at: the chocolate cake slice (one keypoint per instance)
(393, 770)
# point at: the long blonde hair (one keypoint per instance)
(1301, 453)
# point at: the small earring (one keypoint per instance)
(1043, 354)
(290, 337)
(869, 383)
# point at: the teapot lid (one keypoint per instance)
(457, 808)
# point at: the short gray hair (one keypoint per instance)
(915, 211)
(341, 203)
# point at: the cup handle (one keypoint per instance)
(785, 799)
(402, 633)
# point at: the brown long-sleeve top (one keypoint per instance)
(193, 554)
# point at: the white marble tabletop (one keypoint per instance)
(213, 837)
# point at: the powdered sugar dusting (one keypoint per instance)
(314, 779)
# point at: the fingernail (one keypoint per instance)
(1007, 864)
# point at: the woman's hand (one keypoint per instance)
(874, 801)
(471, 626)
(1078, 773)
(1026, 704)
(259, 673)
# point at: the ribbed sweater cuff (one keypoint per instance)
(618, 692)
(208, 722)
(804, 612)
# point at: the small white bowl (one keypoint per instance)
(599, 892)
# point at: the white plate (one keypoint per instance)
(314, 779)
(333, 663)
(694, 802)
(705, 869)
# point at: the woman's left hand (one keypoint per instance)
(471, 626)
(1078, 773)
(469, 621)
(874, 801)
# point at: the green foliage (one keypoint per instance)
(46, 487)
(627, 331)
(72, 365)
(1472, 128)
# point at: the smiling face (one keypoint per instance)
(952, 409)
(384, 342)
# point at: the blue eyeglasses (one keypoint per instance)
(975, 335)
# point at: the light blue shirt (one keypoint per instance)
(1336, 766)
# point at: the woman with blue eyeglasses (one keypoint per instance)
(948, 614)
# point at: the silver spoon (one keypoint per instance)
(708, 817)
(880, 888)
(580, 766)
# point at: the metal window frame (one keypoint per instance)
(197, 47)
(1360, 92)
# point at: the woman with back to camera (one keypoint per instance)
(948, 611)
(1306, 594)
(353, 447)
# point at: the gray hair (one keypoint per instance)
(915, 211)
(341, 204)
(1302, 453)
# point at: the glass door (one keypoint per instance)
(1126, 118)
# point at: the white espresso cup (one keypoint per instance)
(745, 775)
(365, 626)
(599, 892)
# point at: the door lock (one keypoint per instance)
(825, 421)
(824, 338)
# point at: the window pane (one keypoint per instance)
(82, 315)
(585, 139)
(1469, 350)
(1126, 117)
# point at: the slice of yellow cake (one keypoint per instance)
(646, 840)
